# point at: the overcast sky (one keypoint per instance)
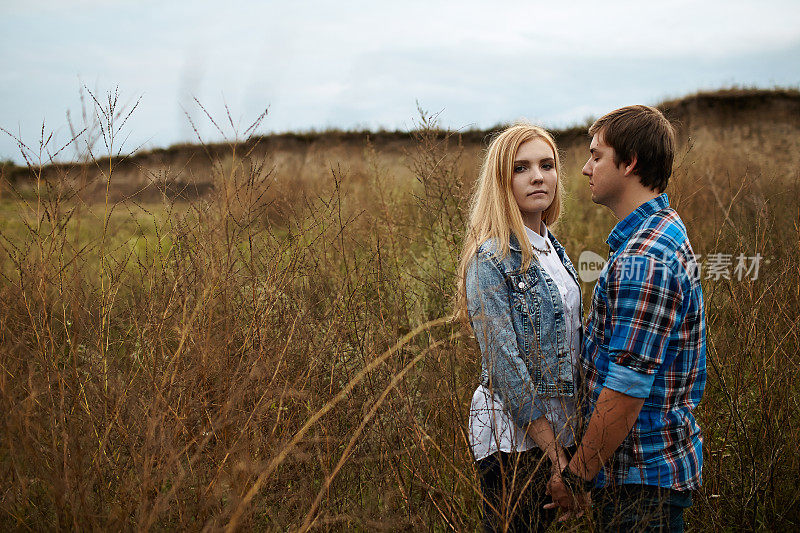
(365, 64)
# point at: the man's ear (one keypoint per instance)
(630, 167)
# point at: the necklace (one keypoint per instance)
(545, 251)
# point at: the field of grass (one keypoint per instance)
(272, 352)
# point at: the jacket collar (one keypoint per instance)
(513, 243)
(626, 226)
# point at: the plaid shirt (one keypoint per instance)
(646, 338)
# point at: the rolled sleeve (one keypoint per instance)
(623, 379)
(489, 307)
(645, 299)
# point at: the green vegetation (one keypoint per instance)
(270, 353)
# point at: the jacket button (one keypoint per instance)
(521, 285)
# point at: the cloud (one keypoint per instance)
(324, 63)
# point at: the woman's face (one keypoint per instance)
(534, 180)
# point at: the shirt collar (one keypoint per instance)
(533, 237)
(626, 226)
(538, 241)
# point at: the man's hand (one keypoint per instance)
(574, 505)
(562, 496)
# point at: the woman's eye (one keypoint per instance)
(548, 166)
(519, 168)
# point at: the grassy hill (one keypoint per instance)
(759, 127)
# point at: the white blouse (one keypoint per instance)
(490, 427)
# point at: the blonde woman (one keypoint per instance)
(521, 294)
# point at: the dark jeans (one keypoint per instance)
(640, 508)
(513, 487)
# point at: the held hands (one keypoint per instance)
(574, 504)
(568, 494)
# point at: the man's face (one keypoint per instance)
(606, 180)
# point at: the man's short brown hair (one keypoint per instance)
(645, 133)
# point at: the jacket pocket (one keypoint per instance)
(522, 283)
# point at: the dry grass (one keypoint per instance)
(269, 352)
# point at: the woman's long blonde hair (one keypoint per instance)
(494, 213)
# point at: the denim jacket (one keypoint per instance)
(519, 322)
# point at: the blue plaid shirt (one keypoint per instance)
(646, 338)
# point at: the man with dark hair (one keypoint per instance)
(643, 360)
